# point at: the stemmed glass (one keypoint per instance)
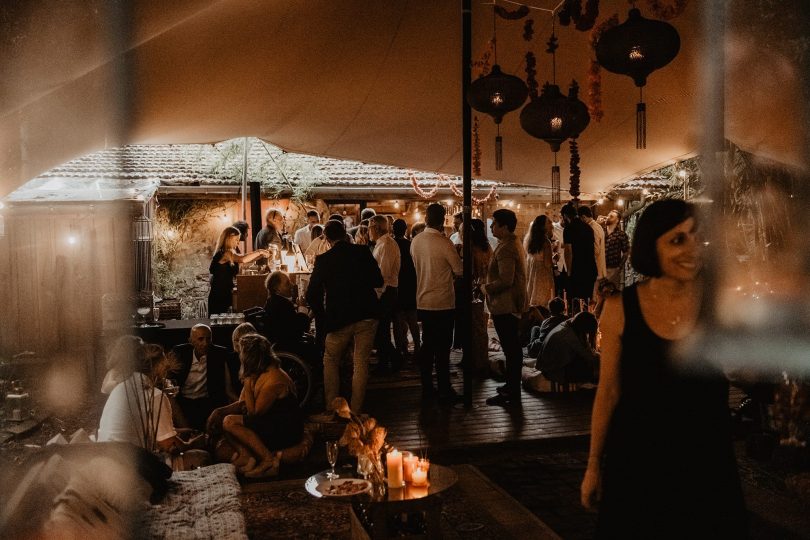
(331, 455)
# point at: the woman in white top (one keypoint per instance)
(137, 411)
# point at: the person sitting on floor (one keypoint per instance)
(266, 419)
(136, 410)
(234, 364)
(556, 306)
(568, 353)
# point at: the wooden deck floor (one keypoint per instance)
(396, 403)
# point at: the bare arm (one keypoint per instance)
(607, 396)
(247, 258)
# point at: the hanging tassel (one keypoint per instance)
(555, 183)
(641, 125)
(498, 153)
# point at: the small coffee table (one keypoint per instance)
(372, 511)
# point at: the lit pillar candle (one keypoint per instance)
(424, 464)
(409, 462)
(419, 477)
(394, 465)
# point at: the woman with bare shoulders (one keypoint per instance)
(267, 418)
(224, 267)
(661, 462)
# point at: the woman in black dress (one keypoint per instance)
(224, 267)
(661, 462)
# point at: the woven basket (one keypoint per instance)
(169, 309)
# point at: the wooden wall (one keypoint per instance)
(56, 263)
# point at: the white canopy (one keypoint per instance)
(376, 81)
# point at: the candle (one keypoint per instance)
(419, 476)
(409, 462)
(394, 465)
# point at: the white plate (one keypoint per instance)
(344, 487)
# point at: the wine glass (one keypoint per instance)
(143, 311)
(170, 387)
(331, 455)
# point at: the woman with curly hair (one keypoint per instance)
(267, 418)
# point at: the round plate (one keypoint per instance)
(344, 487)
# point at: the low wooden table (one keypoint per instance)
(372, 511)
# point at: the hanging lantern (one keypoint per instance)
(547, 117)
(496, 94)
(636, 48)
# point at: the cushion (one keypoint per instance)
(202, 503)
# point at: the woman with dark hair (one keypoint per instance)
(661, 462)
(224, 267)
(266, 419)
(540, 275)
(481, 250)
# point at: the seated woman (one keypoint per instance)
(266, 419)
(136, 410)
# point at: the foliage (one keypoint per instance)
(273, 168)
(182, 251)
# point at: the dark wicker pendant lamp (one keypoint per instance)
(636, 48)
(496, 94)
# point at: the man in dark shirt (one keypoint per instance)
(341, 293)
(578, 244)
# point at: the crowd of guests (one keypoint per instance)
(650, 448)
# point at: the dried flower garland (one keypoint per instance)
(572, 11)
(667, 10)
(528, 30)
(575, 172)
(421, 192)
(476, 156)
(594, 70)
(444, 179)
(514, 15)
(531, 74)
(476, 200)
(482, 66)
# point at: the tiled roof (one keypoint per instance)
(220, 164)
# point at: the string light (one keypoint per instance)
(396, 205)
(71, 240)
(620, 202)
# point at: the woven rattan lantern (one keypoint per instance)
(496, 94)
(636, 48)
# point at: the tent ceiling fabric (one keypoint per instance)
(371, 81)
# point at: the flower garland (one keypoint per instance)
(476, 156)
(531, 74)
(421, 192)
(667, 10)
(594, 70)
(444, 179)
(476, 200)
(481, 66)
(528, 30)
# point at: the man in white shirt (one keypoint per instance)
(386, 253)
(303, 236)
(437, 264)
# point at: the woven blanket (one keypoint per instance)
(202, 503)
